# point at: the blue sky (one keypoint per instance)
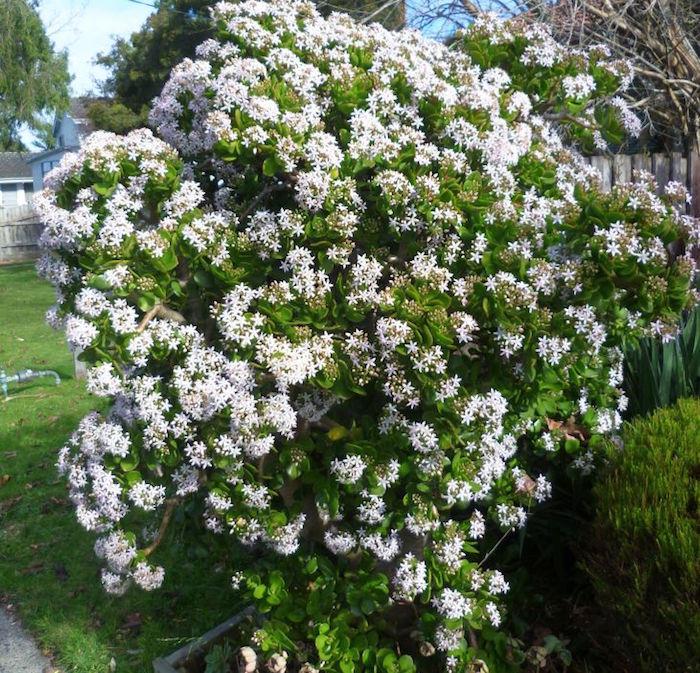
(87, 27)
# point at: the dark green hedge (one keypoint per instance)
(644, 562)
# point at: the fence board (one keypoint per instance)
(641, 162)
(622, 168)
(19, 234)
(675, 166)
(679, 168)
(604, 167)
(662, 171)
(694, 180)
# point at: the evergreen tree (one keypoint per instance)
(34, 77)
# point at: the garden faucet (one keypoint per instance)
(25, 375)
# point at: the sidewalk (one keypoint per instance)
(18, 651)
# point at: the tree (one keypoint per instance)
(351, 308)
(34, 77)
(140, 65)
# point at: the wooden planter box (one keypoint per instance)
(194, 652)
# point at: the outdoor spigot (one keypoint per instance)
(25, 375)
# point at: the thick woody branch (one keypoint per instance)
(472, 8)
(565, 116)
(160, 311)
(278, 186)
(170, 505)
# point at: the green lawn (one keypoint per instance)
(47, 566)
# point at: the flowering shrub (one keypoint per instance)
(348, 306)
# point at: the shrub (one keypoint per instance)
(349, 307)
(645, 552)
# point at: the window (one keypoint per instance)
(47, 166)
(9, 195)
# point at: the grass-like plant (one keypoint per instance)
(657, 374)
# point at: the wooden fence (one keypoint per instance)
(19, 234)
(666, 167)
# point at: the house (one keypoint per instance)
(69, 130)
(16, 185)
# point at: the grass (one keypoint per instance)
(47, 567)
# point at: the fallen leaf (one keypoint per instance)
(4, 479)
(132, 621)
(570, 429)
(33, 569)
(5, 505)
(53, 504)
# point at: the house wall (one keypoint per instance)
(66, 132)
(44, 163)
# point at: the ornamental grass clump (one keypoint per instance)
(349, 302)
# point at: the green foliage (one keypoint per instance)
(115, 117)
(645, 558)
(658, 374)
(557, 271)
(219, 659)
(335, 606)
(581, 119)
(34, 78)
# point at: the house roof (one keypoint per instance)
(78, 113)
(15, 165)
(52, 152)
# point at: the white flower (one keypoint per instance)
(148, 577)
(451, 604)
(410, 578)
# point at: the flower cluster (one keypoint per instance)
(353, 301)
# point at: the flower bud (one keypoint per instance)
(277, 663)
(426, 649)
(247, 660)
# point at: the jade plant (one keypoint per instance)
(349, 301)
